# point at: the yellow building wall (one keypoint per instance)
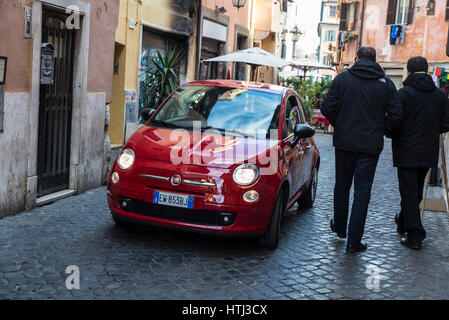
(158, 13)
(116, 122)
(120, 34)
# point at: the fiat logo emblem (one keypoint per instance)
(176, 180)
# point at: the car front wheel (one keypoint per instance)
(271, 237)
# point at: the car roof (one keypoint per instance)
(239, 85)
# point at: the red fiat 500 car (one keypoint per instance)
(225, 157)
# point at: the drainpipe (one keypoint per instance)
(362, 18)
(198, 40)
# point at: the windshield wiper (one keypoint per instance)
(240, 133)
(167, 124)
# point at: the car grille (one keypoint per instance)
(202, 217)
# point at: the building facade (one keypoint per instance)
(398, 29)
(205, 28)
(289, 44)
(145, 28)
(328, 33)
(267, 18)
(290, 33)
(58, 58)
(224, 29)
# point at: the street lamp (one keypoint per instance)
(283, 48)
(295, 37)
(238, 3)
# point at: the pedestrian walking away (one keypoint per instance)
(361, 104)
(425, 115)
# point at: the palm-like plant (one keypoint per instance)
(160, 78)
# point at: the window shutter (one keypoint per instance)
(356, 9)
(447, 10)
(410, 11)
(391, 11)
(344, 17)
(285, 6)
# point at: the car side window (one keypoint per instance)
(301, 111)
(292, 116)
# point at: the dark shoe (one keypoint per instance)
(358, 247)
(340, 235)
(407, 243)
(398, 229)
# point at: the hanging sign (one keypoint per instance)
(47, 63)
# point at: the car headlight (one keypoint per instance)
(246, 174)
(126, 159)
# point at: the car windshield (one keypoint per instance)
(236, 111)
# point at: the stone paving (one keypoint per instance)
(310, 263)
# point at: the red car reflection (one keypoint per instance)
(224, 157)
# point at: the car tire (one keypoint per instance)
(122, 223)
(270, 239)
(307, 200)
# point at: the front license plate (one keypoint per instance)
(173, 199)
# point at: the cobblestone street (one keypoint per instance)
(310, 262)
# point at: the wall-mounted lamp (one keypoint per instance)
(238, 3)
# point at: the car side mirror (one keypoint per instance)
(302, 131)
(147, 113)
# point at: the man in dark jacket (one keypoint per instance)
(425, 116)
(360, 104)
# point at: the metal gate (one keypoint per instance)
(55, 109)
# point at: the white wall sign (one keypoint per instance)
(216, 31)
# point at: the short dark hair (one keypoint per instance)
(417, 64)
(367, 52)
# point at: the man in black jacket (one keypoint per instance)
(360, 104)
(425, 116)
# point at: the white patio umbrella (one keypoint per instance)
(253, 56)
(307, 65)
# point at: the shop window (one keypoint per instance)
(211, 49)
(152, 43)
(347, 16)
(400, 12)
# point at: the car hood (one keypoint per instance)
(187, 147)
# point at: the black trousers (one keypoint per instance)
(361, 167)
(411, 186)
